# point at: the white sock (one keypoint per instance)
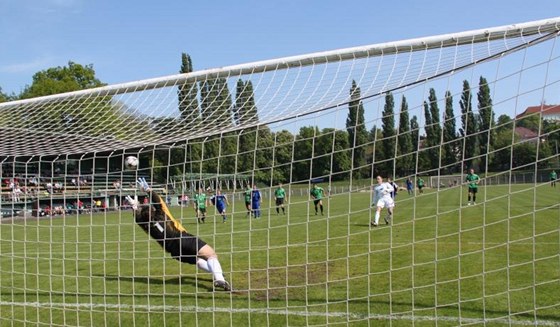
(215, 268)
(202, 264)
(376, 217)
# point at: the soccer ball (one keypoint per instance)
(131, 162)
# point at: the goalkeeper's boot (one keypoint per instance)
(222, 284)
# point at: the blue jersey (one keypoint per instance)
(220, 201)
(256, 199)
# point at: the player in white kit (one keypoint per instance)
(382, 199)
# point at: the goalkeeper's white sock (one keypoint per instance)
(215, 268)
(377, 214)
(202, 264)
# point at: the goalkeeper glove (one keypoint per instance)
(144, 186)
(133, 202)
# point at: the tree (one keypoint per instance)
(303, 153)
(245, 110)
(486, 114)
(469, 127)
(404, 141)
(57, 80)
(4, 97)
(388, 127)
(283, 152)
(415, 133)
(450, 145)
(430, 156)
(357, 132)
(187, 94)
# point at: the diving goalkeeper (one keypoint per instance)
(156, 220)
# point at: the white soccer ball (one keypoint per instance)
(131, 162)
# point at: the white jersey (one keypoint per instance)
(382, 195)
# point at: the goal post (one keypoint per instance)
(310, 133)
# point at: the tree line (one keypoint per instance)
(446, 144)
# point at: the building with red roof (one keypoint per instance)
(548, 111)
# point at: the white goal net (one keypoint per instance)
(466, 124)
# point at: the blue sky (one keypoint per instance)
(131, 40)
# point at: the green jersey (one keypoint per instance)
(553, 176)
(280, 193)
(317, 193)
(248, 195)
(200, 200)
(420, 182)
(473, 179)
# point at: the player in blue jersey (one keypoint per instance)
(256, 202)
(221, 202)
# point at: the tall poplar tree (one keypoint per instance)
(388, 127)
(449, 135)
(404, 140)
(469, 128)
(486, 114)
(433, 133)
(187, 95)
(245, 110)
(357, 132)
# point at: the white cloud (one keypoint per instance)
(30, 66)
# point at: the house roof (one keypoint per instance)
(525, 133)
(546, 109)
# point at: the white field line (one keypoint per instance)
(237, 248)
(344, 315)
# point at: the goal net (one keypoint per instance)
(460, 249)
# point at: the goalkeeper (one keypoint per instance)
(156, 220)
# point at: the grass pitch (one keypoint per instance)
(440, 263)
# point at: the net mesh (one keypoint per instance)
(422, 111)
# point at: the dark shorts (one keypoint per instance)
(316, 202)
(279, 201)
(473, 190)
(247, 203)
(186, 249)
(202, 210)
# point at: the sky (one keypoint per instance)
(129, 40)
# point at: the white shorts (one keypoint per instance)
(385, 203)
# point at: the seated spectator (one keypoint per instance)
(49, 187)
(117, 184)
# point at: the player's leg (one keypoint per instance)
(378, 208)
(474, 190)
(208, 260)
(469, 196)
(321, 206)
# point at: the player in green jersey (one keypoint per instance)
(553, 178)
(247, 195)
(280, 196)
(420, 184)
(317, 194)
(472, 181)
(200, 203)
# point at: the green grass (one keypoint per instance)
(439, 263)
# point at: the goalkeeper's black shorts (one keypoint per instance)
(184, 249)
